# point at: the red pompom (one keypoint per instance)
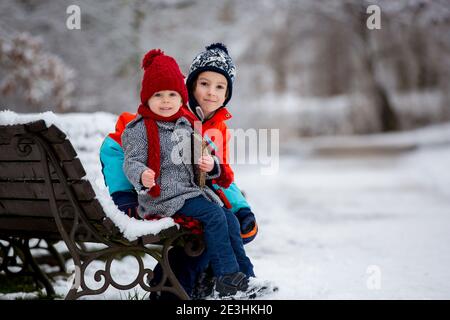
(148, 58)
(155, 191)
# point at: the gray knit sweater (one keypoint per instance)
(176, 177)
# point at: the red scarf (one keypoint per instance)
(154, 152)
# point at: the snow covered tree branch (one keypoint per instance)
(35, 75)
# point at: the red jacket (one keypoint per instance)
(216, 129)
(122, 121)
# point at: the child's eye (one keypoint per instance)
(220, 87)
(173, 94)
(203, 83)
(157, 94)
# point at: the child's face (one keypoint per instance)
(165, 103)
(210, 91)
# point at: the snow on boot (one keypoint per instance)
(230, 284)
(256, 289)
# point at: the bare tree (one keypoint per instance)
(369, 57)
(351, 16)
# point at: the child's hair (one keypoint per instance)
(217, 59)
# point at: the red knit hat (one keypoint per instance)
(161, 72)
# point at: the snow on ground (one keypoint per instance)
(327, 224)
(341, 227)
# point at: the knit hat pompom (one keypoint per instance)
(217, 45)
(150, 56)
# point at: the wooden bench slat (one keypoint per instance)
(13, 170)
(65, 151)
(53, 135)
(36, 126)
(9, 131)
(36, 227)
(30, 224)
(38, 190)
(41, 208)
(9, 152)
(30, 234)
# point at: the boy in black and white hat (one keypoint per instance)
(210, 87)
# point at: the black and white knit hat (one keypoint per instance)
(215, 58)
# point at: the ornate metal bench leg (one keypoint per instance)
(167, 270)
(37, 272)
(71, 295)
(78, 287)
(58, 257)
(27, 264)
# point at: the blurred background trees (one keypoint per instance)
(312, 67)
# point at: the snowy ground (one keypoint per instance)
(342, 227)
(330, 227)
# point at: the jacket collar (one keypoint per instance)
(222, 114)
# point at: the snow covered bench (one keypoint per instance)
(43, 195)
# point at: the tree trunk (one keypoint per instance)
(387, 116)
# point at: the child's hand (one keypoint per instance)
(148, 178)
(206, 163)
